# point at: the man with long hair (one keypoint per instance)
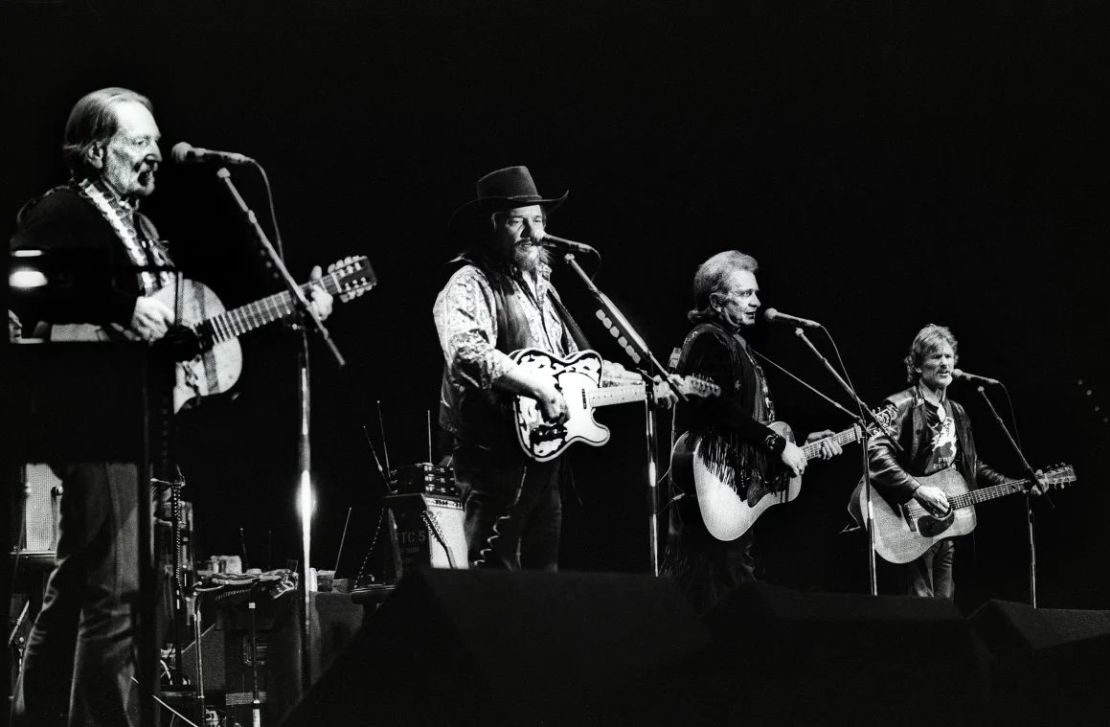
(79, 659)
(501, 300)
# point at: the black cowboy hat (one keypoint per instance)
(504, 189)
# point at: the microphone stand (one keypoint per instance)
(304, 312)
(648, 365)
(1028, 500)
(865, 416)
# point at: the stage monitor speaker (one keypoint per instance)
(1049, 665)
(484, 647)
(824, 658)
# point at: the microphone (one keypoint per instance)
(974, 378)
(563, 245)
(773, 316)
(185, 153)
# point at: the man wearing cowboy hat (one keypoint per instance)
(499, 301)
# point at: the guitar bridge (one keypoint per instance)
(911, 521)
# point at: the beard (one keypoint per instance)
(530, 258)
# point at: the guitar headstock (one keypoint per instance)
(350, 277)
(695, 385)
(885, 415)
(1058, 476)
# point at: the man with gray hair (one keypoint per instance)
(79, 660)
(78, 663)
(731, 428)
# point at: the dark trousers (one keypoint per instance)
(80, 657)
(930, 576)
(513, 510)
(705, 569)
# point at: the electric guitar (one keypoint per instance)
(724, 510)
(217, 366)
(579, 380)
(904, 532)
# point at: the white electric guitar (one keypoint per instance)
(579, 380)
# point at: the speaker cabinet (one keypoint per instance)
(1049, 665)
(493, 647)
(226, 656)
(821, 658)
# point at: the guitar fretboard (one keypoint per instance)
(974, 497)
(848, 436)
(883, 415)
(607, 395)
(233, 323)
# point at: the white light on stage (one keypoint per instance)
(26, 279)
(306, 502)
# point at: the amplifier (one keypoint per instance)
(37, 531)
(427, 531)
(423, 477)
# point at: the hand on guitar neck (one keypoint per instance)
(795, 459)
(319, 299)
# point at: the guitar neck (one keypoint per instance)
(608, 395)
(233, 323)
(974, 497)
(848, 436)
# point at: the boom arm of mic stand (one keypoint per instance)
(632, 344)
(294, 289)
(1009, 437)
(1029, 528)
(865, 411)
(638, 351)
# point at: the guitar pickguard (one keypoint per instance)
(574, 378)
(931, 526)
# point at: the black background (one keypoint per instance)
(888, 164)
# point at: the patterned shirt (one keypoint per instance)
(943, 444)
(467, 324)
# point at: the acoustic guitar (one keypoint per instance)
(217, 366)
(904, 532)
(724, 510)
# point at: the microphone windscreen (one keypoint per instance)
(180, 151)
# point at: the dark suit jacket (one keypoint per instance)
(61, 220)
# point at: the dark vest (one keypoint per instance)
(483, 419)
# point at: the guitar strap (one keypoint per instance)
(573, 329)
(135, 232)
